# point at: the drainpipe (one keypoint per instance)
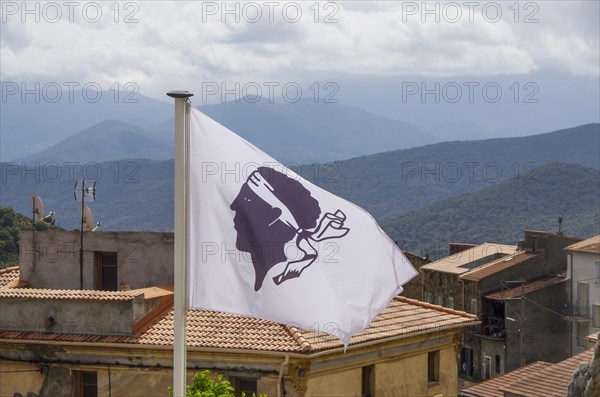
(280, 379)
(571, 322)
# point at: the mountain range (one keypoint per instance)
(138, 194)
(501, 212)
(298, 132)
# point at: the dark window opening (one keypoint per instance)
(106, 265)
(245, 385)
(86, 384)
(433, 366)
(368, 381)
(466, 361)
(497, 366)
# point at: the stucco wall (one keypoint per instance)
(144, 259)
(406, 376)
(58, 381)
(19, 377)
(339, 384)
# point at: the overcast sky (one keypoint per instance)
(161, 45)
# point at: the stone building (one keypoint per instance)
(506, 286)
(59, 340)
(413, 289)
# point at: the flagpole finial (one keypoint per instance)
(179, 94)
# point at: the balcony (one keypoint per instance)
(581, 311)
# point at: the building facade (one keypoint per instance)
(505, 286)
(59, 340)
(584, 283)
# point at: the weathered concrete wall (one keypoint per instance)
(144, 259)
(73, 316)
(546, 336)
(20, 377)
(490, 347)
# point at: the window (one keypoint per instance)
(596, 316)
(597, 272)
(368, 381)
(583, 299)
(86, 384)
(466, 361)
(450, 302)
(245, 385)
(428, 297)
(497, 365)
(106, 265)
(440, 299)
(433, 366)
(487, 367)
(474, 306)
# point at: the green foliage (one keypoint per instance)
(500, 213)
(204, 386)
(11, 223)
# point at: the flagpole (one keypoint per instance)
(180, 244)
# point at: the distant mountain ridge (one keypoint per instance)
(299, 132)
(138, 194)
(107, 140)
(501, 212)
(392, 183)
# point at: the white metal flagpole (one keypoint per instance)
(180, 244)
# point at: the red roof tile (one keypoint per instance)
(538, 379)
(8, 275)
(403, 317)
(552, 381)
(499, 265)
(491, 388)
(591, 245)
(35, 293)
(529, 287)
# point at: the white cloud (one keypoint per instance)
(178, 44)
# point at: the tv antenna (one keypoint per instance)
(82, 190)
(37, 211)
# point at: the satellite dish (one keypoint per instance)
(37, 207)
(49, 219)
(88, 218)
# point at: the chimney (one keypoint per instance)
(560, 221)
(532, 240)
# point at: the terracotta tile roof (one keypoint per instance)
(403, 317)
(529, 287)
(458, 263)
(8, 275)
(45, 336)
(499, 265)
(552, 381)
(491, 388)
(591, 245)
(35, 293)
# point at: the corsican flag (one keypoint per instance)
(266, 243)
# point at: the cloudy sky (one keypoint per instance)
(161, 45)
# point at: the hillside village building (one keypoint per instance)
(114, 337)
(537, 379)
(583, 273)
(518, 293)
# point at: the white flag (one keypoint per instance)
(266, 243)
